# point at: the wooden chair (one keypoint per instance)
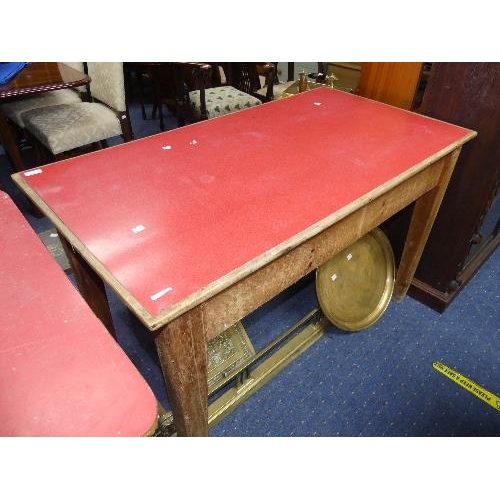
(192, 91)
(62, 129)
(61, 372)
(254, 78)
(14, 110)
(140, 80)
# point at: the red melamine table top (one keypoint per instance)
(61, 372)
(216, 195)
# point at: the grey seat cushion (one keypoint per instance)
(69, 126)
(14, 110)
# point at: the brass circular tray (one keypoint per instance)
(355, 287)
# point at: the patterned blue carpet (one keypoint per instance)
(378, 382)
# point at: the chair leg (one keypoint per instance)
(61, 156)
(36, 152)
(160, 111)
(40, 157)
(127, 132)
(158, 106)
(140, 82)
(157, 96)
(40, 152)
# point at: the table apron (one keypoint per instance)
(240, 299)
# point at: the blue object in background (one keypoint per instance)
(9, 70)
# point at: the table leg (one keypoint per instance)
(182, 349)
(423, 216)
(90, 285)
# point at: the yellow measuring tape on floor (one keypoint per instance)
(469, 385)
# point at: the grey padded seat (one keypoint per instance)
(15, 109)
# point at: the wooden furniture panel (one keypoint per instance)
(467, 94)
(390, 82)
(348, 73)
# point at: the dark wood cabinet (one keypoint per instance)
(465, 232)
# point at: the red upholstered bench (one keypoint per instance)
(61, 372)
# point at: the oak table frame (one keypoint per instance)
(35, 78)
(359, 162)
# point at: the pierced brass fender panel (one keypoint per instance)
(226, 353)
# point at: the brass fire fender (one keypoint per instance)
(278, 353)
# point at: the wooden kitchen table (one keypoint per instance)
(197, 227)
